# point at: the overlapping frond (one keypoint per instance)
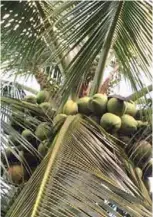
(79, 176)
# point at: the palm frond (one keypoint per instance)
(78, 175)
(90, 29)
(22, 25)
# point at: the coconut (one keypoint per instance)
(42, 96)
(43, 131)
(60, 118)
(42, 148)
(129, 124)
(142, 153)
(110, 122)
(98, 104)
(30, 99)
(46, 107)
(70, 108)
(28, 135)
(130, 108)
(116, 106)
(16, 173)
(83, 105)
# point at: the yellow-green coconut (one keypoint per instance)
(46, 107)
(83, 105)
(59, 118)
(43, 131)
(28, 135)
(116, 106)
(30, 99)
(42, 96)
(129, 124)
(98, 104)
(143, 151)
(42, 148)
(130, 108)
(110, 122)
(70, 108)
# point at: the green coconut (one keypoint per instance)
(46, 107)
(28, 135)
(43, 131)
(110, 122)
(70, 108)
(83, 105)
(98, 104)
(116, 106)
(42, 96)
(60, 118)
(129, 124)
(141, 153)
(30, 99)
(130, 108)
(42, 148)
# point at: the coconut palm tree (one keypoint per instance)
(68, 45)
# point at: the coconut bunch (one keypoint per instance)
(118, 118)
(19, 158)
(113, 113)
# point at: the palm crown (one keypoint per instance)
(78, 163)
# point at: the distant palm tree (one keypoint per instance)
(68, 45)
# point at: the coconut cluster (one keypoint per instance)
(113, 114)
(116, 117)
(13, 158)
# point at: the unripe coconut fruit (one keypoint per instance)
(70, 108)
(110, 122)
(98, 104)
(116, 106)
(28, 135)
(83, 105)
(42, 148)
(130, 108)
(16, 173)
(59, 118)
(129, 124)
(46, 107)
(30, 99)
(42, 96)
(43, 131)
(141, 153)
